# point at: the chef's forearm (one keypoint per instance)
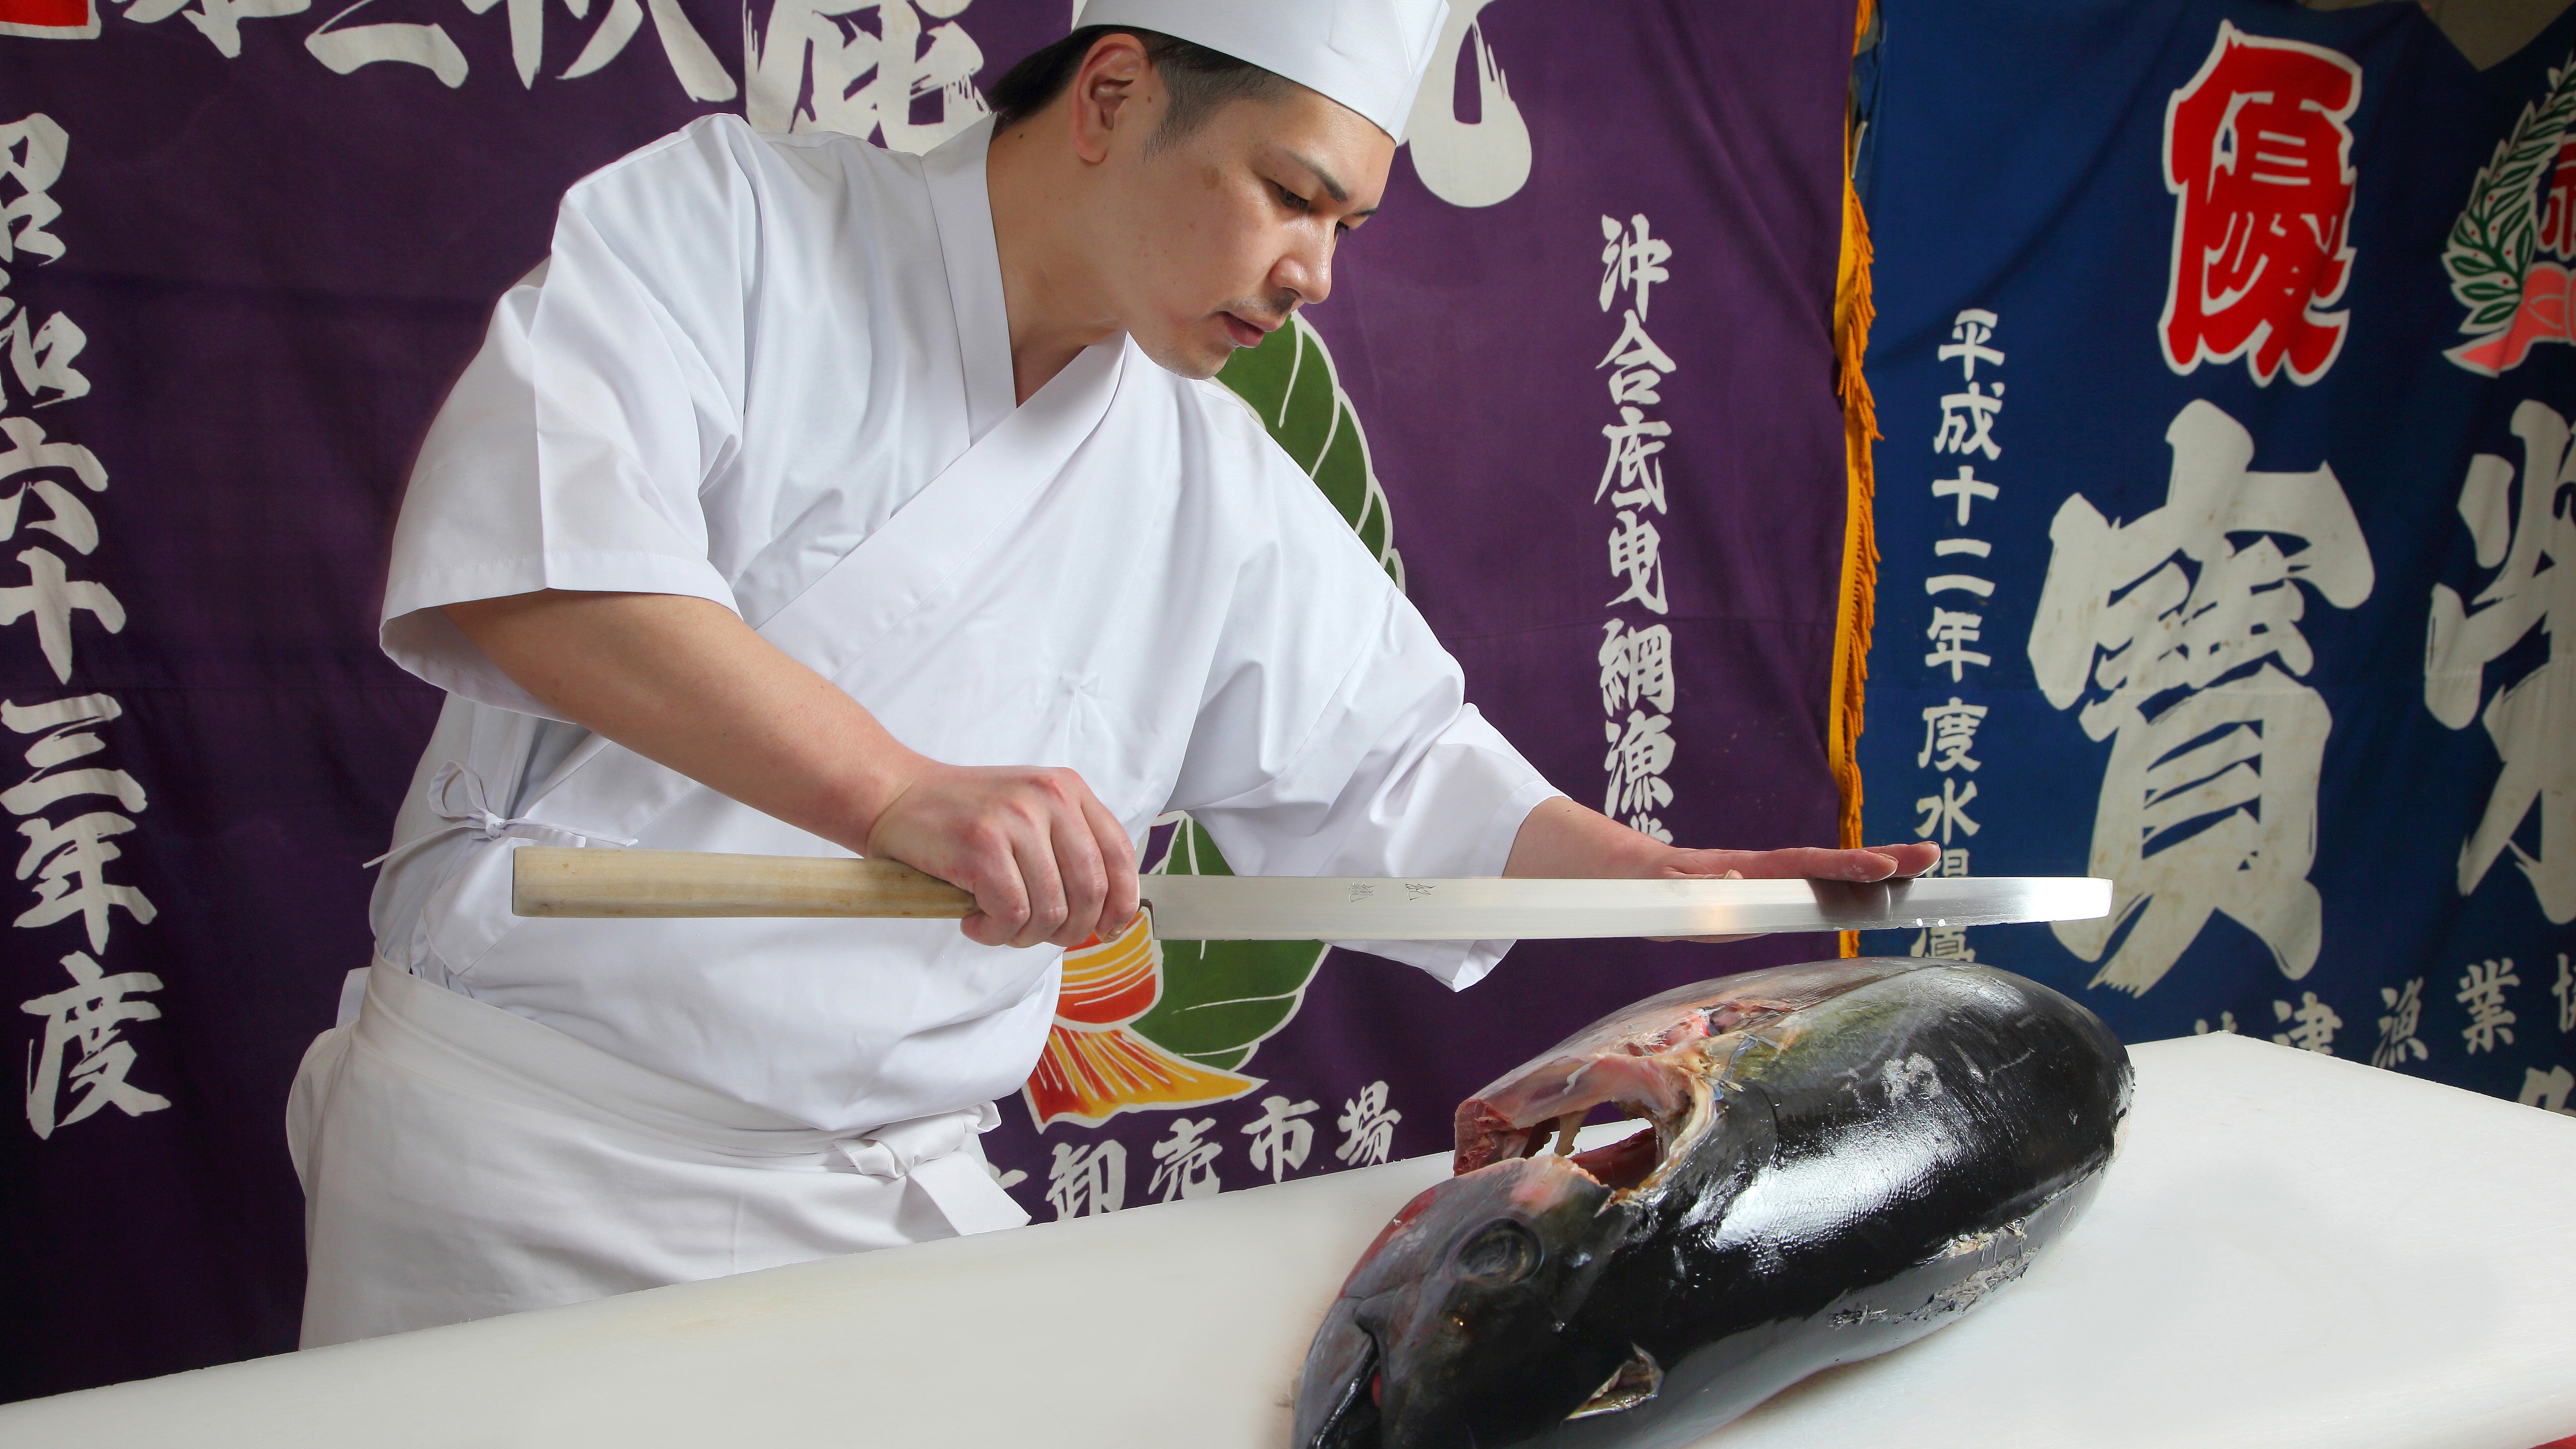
(684, 682)
(1562, 840)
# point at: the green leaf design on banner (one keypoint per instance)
(1290, 382)
(1221, 999)
(2490, 246)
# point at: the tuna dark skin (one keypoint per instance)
(1841, 1157)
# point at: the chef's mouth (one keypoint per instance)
(1242, 333)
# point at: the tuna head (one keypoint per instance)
(1448, 1331)
(1453, 1329)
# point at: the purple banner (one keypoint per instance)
(1582, 362)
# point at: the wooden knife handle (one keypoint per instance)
(604, 883)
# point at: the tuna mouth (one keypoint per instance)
(1351, 1417)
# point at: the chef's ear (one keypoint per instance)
(1115, 89)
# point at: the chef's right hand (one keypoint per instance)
(1045, 859)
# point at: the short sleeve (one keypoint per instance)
(572, 452)
(1335, 738)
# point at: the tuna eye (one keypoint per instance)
(1501, 1252)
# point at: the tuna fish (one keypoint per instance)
(1842, 1157)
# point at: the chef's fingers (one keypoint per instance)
(1034, 850)
(1118, 858)
(1078, 864)
(1807, 863)
(1912, 858)
(1852, 865)
(1001, 895)
(1801, 862)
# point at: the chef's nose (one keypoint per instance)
(1307, 268)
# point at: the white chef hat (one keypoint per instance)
(1367, 54)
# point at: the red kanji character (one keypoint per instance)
(50, 19)
(2558, 206)
(2259, 160)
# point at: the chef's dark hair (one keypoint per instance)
(1197, 79)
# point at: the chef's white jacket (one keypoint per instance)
(773, 372)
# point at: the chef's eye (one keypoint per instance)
(1290, 199)
(1501, 1252)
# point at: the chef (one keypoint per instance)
(810, 499)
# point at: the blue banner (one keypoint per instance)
(2226, 509)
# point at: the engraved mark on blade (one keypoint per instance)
(1637, 1380)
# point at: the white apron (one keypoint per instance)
(461, 1162)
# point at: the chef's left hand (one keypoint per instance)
(1884, 862)
(1878, 862)
(1564, 840)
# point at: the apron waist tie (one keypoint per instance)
(458, 796)
(932, 1151)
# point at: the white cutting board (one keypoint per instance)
(2290, 1251)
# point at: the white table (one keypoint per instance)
(2290, 1251)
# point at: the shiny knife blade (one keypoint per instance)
(606, 883)
(1291, 908)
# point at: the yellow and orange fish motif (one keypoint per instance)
(1095, 1065)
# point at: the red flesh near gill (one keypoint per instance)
(1624, 1163)
(1511, 1119)
(1485, 1135)
(1645, 1059)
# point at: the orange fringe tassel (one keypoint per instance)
(1856, 609)
(1087, 1076)
(1094, 1065)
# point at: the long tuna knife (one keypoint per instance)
(601, 883)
